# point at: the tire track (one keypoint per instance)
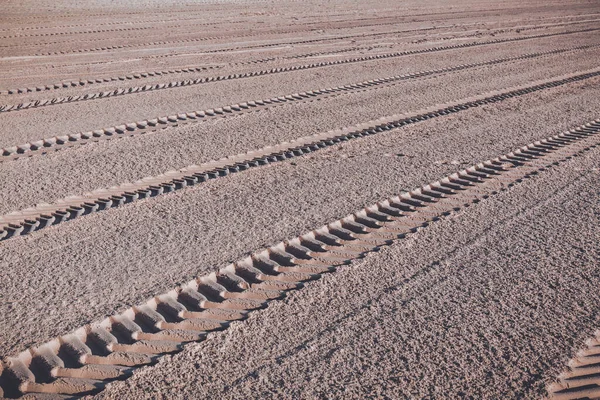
(177, 70)
(76, 33)
(134, 45)
(498, 30)
(180, 70)
(274, 31)
(56, 143)
(582, 379)
(199, 81)
(83, 361)
(362, 36)
(44, 215)
(245, 21)
(164, 42)
(140, 75)
(234, 34)
(30, 28)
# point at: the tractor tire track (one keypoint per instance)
(369, 35)
(140, 75)
(130, 129)
(232, 35)
(84, 361)
(199, 81)
(582, 379)
(169, 42)
(45, 215)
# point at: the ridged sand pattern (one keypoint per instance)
(83, 361)
(582, 379)
(44, 215)
(191, 82)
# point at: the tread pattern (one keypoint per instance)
(180, 70)
(83, 361)
(199, 81)
(45, 215)
(582, 379)
(163, 42)
(56, 143)
(285, 69)
(495, 41)
(278, 32)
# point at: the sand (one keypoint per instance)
(490, 303)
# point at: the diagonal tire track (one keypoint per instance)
(84, 361)
(129, 129)
(582, 379)
(317, 65)
(45, 215)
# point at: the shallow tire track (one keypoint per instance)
(156, 43)
(199, 81)
(84, 361)
(383, 34)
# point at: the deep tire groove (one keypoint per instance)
(84, 361)
(45, 215)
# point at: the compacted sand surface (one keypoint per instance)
(491, 301)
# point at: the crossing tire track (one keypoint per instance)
(44, 215)
(83, 361)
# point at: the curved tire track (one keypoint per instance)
(83, 361)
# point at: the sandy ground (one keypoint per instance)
(485, 304)
(489, 303)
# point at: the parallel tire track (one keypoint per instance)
(179, 70)
(76, 32)
(382, 56)
(372, 35)
(157, 43)
(194, 40)
(22, 149)
(83, 361)
(56, 143)
(199, 81)
(582, 379)
(234, 34)
(239, 34)
(176, 70)
(45, 215)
